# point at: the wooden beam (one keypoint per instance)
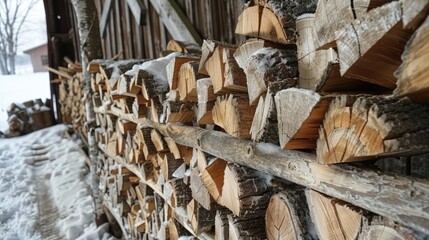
(401, 199)
(139, 11)
(175, 21)
(105, 17)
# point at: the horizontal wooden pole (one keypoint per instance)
(402, 199)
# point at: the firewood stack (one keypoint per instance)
(325, 78)
(28, 116)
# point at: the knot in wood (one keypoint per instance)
(292, 166)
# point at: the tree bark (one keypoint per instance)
(90, 46)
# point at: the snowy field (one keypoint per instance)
(20, 88)
(43, 174)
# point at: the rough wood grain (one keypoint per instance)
(363, 128)
(234, 115)
(333, 219)
(300, 113)
(286, 215)
(370, 48)
(413, 74)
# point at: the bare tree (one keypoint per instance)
(12, 16)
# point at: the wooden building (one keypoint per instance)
(39, 57)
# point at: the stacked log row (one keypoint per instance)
(314, 79)
(27, 117)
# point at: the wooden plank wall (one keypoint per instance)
(213, 19)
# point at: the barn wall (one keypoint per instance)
(212, 19)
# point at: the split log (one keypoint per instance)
(158, 141)
(359, 187)
(300, 113)
(248, 47)
(135, 85)
(201, 219)
(139, 107)
(372, 127)
(244, 191)
(275, 21)
(144, 136)
(177, 193)
(269, 65)
(178, 112)
(222, 224)
(370, 48)
(413, 74)
(169, 165)
(234, 115)
(332, 218)
(265, 122)
(380, 228)
(331, 16)
(200, 192)
(179, 151)
(183, 47)
(414, 12)
(156, 109)
(235, 79)
(155, 80)
(319, 70)
(206, 98)
(213, 178)
(186, 83)
(176, 230)
(246, 228)
(208, 49)
(173, 67)
(215, 67)
(249, 21)
(287, 214)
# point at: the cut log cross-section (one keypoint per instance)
(413, 74)
(187, 78)
(244, 192)
(363, 128)
(332, 218)
(234, 115)
(173, 68)
(286, 215)
(273, 20)
(300, 113)
(370, 48)
(215, 66)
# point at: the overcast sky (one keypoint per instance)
(34, 29)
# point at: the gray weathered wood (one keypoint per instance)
(139, 11)
(105, 17)
(176, 21)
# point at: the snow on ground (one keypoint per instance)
(21, 88)
(47, 159)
